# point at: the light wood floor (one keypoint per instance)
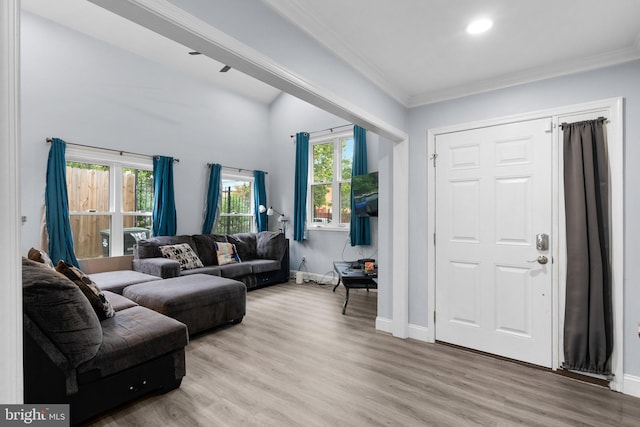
(296, 360)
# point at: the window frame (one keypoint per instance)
(116, 161)
(237, 176)
(336, 138)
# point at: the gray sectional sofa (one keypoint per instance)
(71, 356)
(264, 257)
(97, 342)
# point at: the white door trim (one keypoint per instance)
(614, 108)
(172, 22)
(11, 302)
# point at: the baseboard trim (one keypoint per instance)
(420, 333)
(631, 385)
(384, 325)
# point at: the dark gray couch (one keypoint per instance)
(70, 356)
(264, 257)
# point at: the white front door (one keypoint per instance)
(493, 197)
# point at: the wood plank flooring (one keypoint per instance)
(295, 360)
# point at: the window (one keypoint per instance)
(110, 201)
(236, 205)
(330, 163)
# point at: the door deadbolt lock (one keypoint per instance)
(540, 260)
(542, 242)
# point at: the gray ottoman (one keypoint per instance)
(200, 301)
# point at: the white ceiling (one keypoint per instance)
(415, 50)
(87, 18)
(418, 50)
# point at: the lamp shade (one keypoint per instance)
(262, 209)
(270, 211)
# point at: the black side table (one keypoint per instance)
(353, 278)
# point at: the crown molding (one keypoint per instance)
(531, 75)
(294, 12)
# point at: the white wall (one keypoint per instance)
(85, 91)
(622, 80)
(290, 115)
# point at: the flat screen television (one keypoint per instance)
(365, 194)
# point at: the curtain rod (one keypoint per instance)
(235, 169)
(327, 129)
(599, 119)
(121, 152)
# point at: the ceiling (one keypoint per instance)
(417, 51)
(87, 18)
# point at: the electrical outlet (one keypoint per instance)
(304, 259)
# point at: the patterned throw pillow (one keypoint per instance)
(39, 255)
(99, 302)
(227, 253)
(184, 254)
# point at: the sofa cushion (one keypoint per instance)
(134, 336)
(206, 247)
(263, 265)
(227, 253)
(212, 270)
(184, 254)
(237, 270)
(98, 301)
(270, 245)
(58, 307)
(245, 244)
(118, 301)
(150, 248)
(116, 281)
(41, 256)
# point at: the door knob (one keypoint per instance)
(540, 260)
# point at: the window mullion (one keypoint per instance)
(335, 185)
(116, 242)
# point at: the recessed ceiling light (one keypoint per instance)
(479, 26)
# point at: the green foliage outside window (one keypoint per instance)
(324, 179)
(235, 208)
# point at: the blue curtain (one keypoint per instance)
(360, 228)
(213, 196)
(260, 198)
(300, 185)
(164, 204)
(56, 202)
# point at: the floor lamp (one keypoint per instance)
(281, 218)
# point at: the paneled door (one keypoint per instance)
(493, 240)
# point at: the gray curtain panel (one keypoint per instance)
(588, 331)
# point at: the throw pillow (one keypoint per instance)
(184, 254)
(227, 253)
(99, 302)
(39, 255)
